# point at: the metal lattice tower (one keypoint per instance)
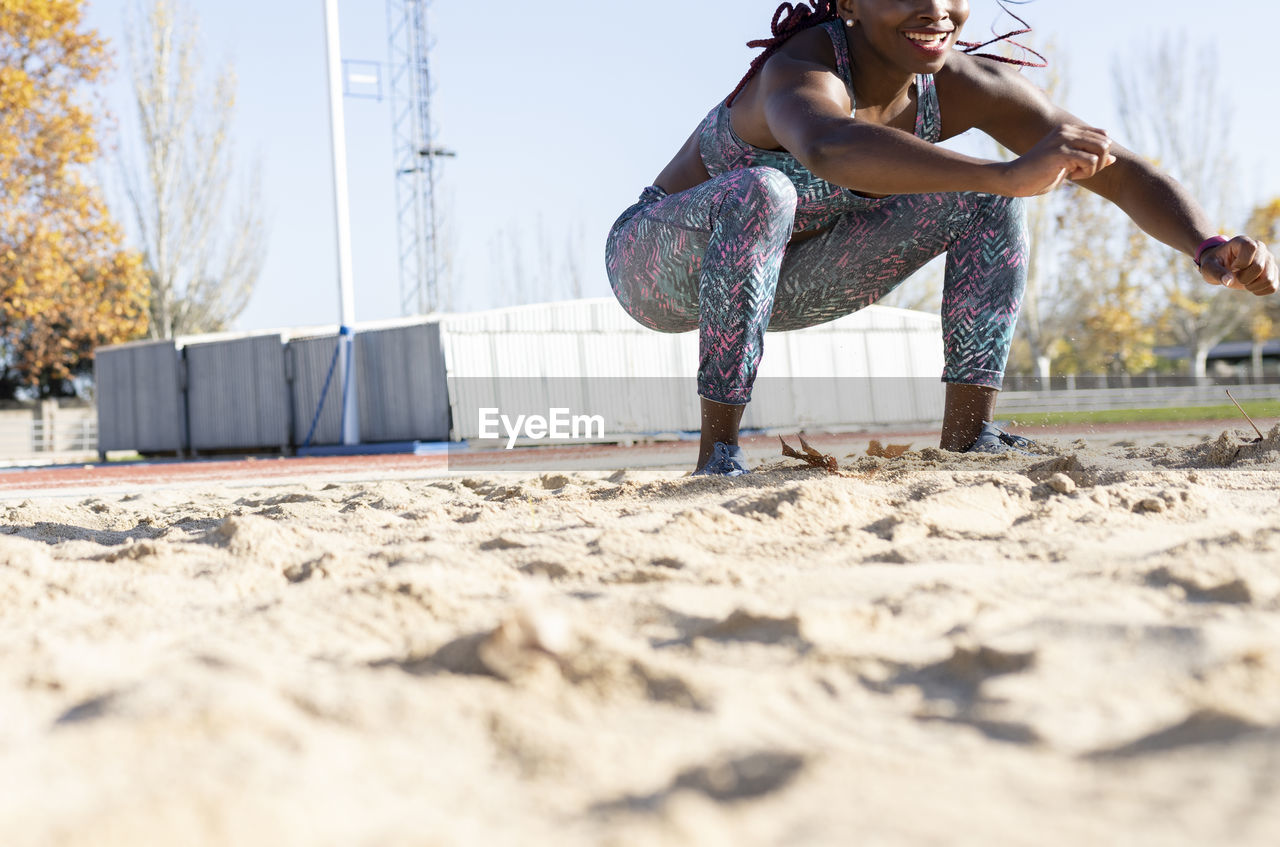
(415, 155)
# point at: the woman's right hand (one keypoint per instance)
(1070, 152)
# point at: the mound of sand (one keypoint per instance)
(1077, 647)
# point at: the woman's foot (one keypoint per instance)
(726, 460)
(993, 439)
(968, 409)
(719, 426)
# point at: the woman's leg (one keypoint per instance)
(866, 254)
(709, 258)
(985, 281)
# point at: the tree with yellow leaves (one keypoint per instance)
(1102, 314)
(1153, 88)
(1264, 222)
(66, 284)
(1264, 225)
(1084, 310)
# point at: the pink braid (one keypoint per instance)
(971, 47)
(787, 21)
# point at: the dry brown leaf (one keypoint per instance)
(892, 451)
(810, 456)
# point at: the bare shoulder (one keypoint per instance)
(807, 55)
(800, 79)
(811, 46)
(977, 92)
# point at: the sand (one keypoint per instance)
(1081, 647)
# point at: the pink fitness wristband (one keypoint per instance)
(1209, 244)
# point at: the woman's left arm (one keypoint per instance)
(1005, 105)
(1167, 211)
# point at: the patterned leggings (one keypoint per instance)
(715, 258)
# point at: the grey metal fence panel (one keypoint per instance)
(309, 361)
(401, 384)
(238, 394)
(140, 398)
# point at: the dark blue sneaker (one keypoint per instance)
(993, 439)
(726, 460)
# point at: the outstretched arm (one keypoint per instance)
(1018, 115)
(1168, 212)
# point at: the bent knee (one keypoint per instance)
(978, 213)
(999, 206)
(765, 187)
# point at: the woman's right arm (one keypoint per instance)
(807, 110)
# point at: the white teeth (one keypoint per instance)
(922, 38)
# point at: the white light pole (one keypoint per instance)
(346, 296)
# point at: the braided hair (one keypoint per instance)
(791, 18)
(787, 21)
(972, 47)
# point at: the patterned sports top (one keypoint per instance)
(722, 150)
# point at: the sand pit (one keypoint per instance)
(1081, 647)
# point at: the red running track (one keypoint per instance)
(267, 470)
(244, 471)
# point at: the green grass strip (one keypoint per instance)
(1262, 411)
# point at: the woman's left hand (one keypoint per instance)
(1242, 263)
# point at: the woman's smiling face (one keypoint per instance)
(916, 35)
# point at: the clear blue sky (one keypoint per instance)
(560, 113)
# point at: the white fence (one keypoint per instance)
(1103, 399)
(591, 349)
(26, 434)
